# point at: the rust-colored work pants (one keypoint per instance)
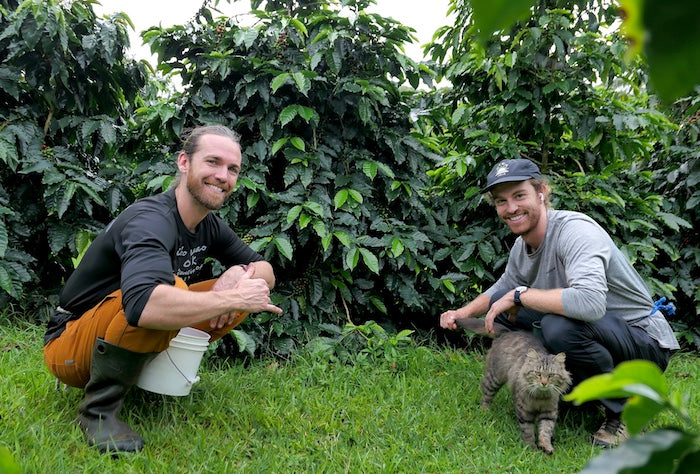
(68, 356)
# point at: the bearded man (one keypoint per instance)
(144, 278)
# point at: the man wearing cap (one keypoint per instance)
(565, 272)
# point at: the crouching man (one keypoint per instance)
(566, 273)
(143, 279)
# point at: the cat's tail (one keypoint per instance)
(477, 326)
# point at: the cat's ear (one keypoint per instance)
(561, 358)
(533, 354)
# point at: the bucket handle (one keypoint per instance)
(189, 382)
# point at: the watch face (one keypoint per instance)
(521, 288)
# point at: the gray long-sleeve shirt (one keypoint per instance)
(578, 255)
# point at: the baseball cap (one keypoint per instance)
(507, 171)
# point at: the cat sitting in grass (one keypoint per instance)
(536, 378)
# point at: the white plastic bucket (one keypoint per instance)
(174, 371)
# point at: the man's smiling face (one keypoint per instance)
(213, 171)
(519, 206)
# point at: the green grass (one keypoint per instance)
(420, 414)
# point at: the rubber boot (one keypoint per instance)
(113, 371)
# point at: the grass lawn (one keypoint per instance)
(419, 413)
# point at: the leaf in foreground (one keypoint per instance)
(653, 452)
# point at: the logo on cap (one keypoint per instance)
(501, 169)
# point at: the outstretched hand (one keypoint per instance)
(448, 319)
(254, 294)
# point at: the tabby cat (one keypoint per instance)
(536, 378)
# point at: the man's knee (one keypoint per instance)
(559, 333)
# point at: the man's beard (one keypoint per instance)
(196, 191)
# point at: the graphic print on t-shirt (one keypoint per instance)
(189, 261)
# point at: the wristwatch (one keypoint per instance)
(516, 297)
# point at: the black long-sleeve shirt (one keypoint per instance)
(143, 247)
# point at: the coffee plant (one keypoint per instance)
(362, 188)
(334, 180)
(66, 92)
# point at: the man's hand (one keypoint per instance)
(254, 293)
(448, 318)
(503, 305)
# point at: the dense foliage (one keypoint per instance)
(334, 180)
(362, 190)
(65, 92)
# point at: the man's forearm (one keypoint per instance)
(476, 307)
(544, 301)
(170, 307)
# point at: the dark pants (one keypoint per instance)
(591, 348)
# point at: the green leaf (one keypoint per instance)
(370, 260)
(614, 384)
(299, 26)
(278, 81)
(8, 155)
(496, 15)
(458, 114)
(5, 280)
(314, 207)
(320, 228)
(108, 132)
(250, 36)
(284, 246)
(672, 46)
(158, 182)
(467, 251)
(343, 238)
(369, 168)
(356, 196)
(449, 285)
(8, 465)
(303, 83)
(83, 239)
(673, 221)
(365, 110)
(278, 144)
(307, 114)
(298, 143)
(378, 303)
(397, 247)
(326, 241)
(340, 198)
(293, 213)
(251, 200)
(386, 170)
(304, 220)
(245, 342)
(351, 258)
(654, 452)
(288, 114)
(88, 127)
(689, 463)
(3, 239)
(88, 189)
(259, 244)
(66, 198)
(315, 59)
(486, 251)
(639, 410)
(82, 243)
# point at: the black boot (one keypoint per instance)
(113, 371)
